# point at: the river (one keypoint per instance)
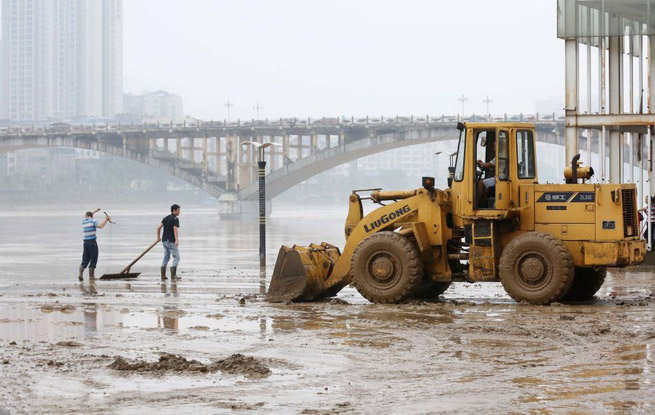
(44, 244)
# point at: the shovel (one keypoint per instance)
(125, 273)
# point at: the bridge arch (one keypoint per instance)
(286, 177)
(187, 171)
(302, 169)
(140, 144)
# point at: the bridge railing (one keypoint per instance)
(323, 122)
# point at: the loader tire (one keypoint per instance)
(536, 267)
(386, 268)
(429, 290)
(586, 283)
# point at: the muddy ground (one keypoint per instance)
(142, 347)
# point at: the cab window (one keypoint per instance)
(485, 151)
(461, 153)
(503, 156)
(525, 154)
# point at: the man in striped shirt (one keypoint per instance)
(90, 255)
(644, 218)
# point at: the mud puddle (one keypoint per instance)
(61, 322)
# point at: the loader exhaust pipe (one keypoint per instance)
(574, 168)
(571, 173)
(577, 172)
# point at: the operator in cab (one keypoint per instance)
(486, 186)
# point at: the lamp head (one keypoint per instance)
(252, 143)
(265, 145)
(260, 145)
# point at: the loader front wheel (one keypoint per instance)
(586, 283)
(386, 268)
(536, 267)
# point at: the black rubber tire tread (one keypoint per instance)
(429, 290)
(559, 257)
(586, 283)
(411, 268)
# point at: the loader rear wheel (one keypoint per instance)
(586, 283)
(386, 268)
(537, 268)
(429, 290)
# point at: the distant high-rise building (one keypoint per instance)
(159, 105)
(61, 59)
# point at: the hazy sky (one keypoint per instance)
(344, 57)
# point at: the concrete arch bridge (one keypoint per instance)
(209, 155)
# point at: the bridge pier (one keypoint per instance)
(229, 206)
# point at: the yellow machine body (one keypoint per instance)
(596, 223)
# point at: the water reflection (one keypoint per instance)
(169, 319)
(169, 291)
(262, 281)
(169, 316)
(88, 289)
(90, 311)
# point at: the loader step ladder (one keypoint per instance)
(483, 262)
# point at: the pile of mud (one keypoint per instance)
(64, 308)
(167, 363)
(69, 344)
(237, 364)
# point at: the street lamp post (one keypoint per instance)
(261, 165)
(257, 107)
(228, 105)
(488, 101)
(462, 99)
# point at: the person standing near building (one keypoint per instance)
(90, 254)
(170, 239)
(645, 216)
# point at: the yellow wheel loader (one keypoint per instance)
(494, 222)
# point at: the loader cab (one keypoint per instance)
(493, 160)
(486, 166)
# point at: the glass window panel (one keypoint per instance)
(525, 154)
(583, 18)
(461, 155)
(503, 156)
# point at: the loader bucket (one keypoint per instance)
(302, 273)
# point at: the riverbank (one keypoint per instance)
(476, 351)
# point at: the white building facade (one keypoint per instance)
(159, 105)
(61, 59)
(414, 161)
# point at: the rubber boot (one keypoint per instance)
(92, 273)
(80, 276)
(163, 273)
(174, 274)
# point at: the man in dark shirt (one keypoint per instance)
(171, 241)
